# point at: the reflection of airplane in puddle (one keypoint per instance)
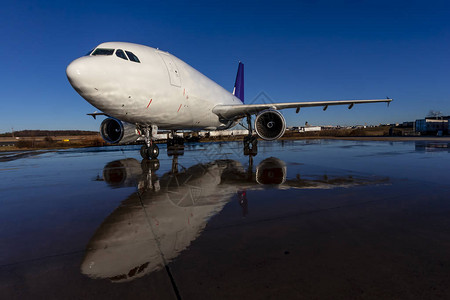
(153, 225)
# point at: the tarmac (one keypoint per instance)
(312, 219)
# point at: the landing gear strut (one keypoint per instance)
(250, 141)
(149, 150)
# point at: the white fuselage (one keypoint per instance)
(159, 90)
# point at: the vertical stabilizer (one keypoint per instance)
(239, 84)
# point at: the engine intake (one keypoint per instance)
(114, 131)
(270, 124)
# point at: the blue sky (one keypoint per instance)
(293, 51)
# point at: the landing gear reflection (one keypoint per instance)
(149, 179)
(250, 141)
(150, 165)
(250, 145)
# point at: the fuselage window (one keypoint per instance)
(103, 51)
(132, 57)
(121, 54)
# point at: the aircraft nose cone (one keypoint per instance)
(82, 77)
(74, 72)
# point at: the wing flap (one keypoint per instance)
(239, 111)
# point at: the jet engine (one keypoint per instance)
(270, 124)
(114, 131)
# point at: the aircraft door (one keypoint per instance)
(174, 74)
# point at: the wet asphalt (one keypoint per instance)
(311, 219)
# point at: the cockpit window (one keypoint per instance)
(103, 51)
(89, 53)
(132, 57)
(121, 54)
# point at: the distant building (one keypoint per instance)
(433, 125)
(310, 128)
(329, 127)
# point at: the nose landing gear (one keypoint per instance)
(149, 150)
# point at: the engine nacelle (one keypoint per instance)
(114, 131)
(270, 124)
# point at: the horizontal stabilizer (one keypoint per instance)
(95, 114)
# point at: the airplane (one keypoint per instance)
(142, 90)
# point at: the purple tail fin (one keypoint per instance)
(239, 84)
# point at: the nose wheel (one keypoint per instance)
(150, 152)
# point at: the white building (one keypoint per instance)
(310, 128)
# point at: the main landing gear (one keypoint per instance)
(250, 141)
(175, 144)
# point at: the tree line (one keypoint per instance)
(36, 133)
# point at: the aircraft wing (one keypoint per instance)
(238, 111)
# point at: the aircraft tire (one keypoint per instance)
(144, 152)
(148, 165)
(154, 165)
(153, 151)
